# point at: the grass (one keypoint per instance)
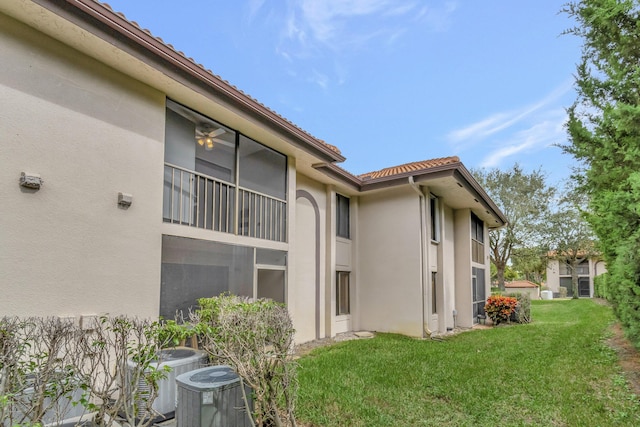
(556, 371)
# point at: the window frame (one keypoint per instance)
(341, 218)
(477, 240)
(343, 308)
(434, 218)
(434, 292)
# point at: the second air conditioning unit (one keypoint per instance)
(212, 397)
(180, 360)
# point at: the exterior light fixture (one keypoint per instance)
(124, 200)
(30, 180)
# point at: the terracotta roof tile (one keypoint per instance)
(182, 54)
(409, 167)
(520, 284)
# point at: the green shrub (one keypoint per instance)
(563, 292)
(601, 286)
(499, 308)
(254, 337)
(174, 333)
(523, 310)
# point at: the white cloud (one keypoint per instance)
(483, 128)
(438, 19)
(334, 22)
(253, 8)
(498, 122)
(318, 29)
(548, 131)
(401, 9)
(319, 78)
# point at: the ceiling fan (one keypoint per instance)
(206, 137)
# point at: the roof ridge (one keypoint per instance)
(410, 167)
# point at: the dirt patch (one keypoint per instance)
(306, 348)
(628, 357)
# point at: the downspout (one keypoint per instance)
(423, 280)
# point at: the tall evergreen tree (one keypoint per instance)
(604, 134)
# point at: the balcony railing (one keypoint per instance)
(261, 216)
(201, 201)
(582, 269)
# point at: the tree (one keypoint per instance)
(604, 134)
(569, 236)
(530, 262)
(524, 199)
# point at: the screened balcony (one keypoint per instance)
(219, 180)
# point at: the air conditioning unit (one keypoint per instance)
(180, 360)
(58, 411)
(212, 397)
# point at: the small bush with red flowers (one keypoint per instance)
(499, 308)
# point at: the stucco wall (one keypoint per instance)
(553, 275)
(308, 310)
(596, 268)
(90, 132)
(340, 257)
(534, 293)
(463, 290)
(449, 268)
(389, 288)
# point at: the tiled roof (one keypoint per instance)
(409, 167)
(581, 254)
(520, 284)
(217, 77)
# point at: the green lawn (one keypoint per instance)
(556, 371)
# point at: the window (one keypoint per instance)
(582, 269)
(262, 169)
(342, 293)
(182, 149)
(477, 239)
(479, 291)
(343, 226)
(434, 213)
(565, 282)
(434, 294)
(193, 269)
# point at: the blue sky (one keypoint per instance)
(393, 81)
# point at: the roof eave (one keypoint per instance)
(455, 170)
(105, 23)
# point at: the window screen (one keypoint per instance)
(342, 217)
(342, 293)
(193, 269)
(262, 169)
(435, 218)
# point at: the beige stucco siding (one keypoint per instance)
(596, 268)
(449, 269)
(309, 260)
(553, 275)
(68, 249)
(389, 288)
(463, 282)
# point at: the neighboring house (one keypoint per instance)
(523, 286)
(163, 183)
(559, 276)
